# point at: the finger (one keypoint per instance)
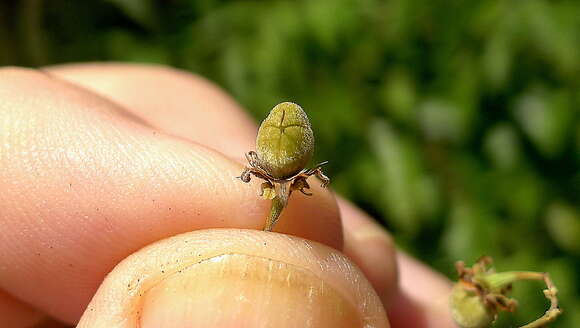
(235, 278)
(421, 297)
(14, 313)
(371, 248)
(197, 111)
(173, 101)
(83, 187)
(373, 252)
(365, 242)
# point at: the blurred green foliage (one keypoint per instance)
(456, 123)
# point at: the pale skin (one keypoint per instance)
(131, 158)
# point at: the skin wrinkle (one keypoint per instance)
(186, 91)
(33, 170)
(71, 160)
(118, 110)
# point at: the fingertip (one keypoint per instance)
(423, 294)
(414, 295)
(241, 278)
(83, 187)
(372, 248)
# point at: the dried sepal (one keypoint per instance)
(268, 191)
(300, 184)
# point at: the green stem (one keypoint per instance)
(499, 280)
(547, 318)
(278, 204)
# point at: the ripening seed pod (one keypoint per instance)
(468, 309)
(285, 141)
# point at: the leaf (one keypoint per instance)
(141, 11)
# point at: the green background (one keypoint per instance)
(454, 123)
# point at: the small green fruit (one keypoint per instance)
(285, 141)
(284, 146)
(468, 310)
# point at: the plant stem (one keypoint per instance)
(278, 204)
(554, 311)
(502, 279)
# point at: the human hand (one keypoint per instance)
(101, 160)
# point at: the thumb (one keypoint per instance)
(235, 278)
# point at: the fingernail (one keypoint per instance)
(236, 290)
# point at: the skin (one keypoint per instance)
(116, 168)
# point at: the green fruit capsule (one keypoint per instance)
(285, 141)
(468, 309)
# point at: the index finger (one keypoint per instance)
(419, 301)
(83, 186)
